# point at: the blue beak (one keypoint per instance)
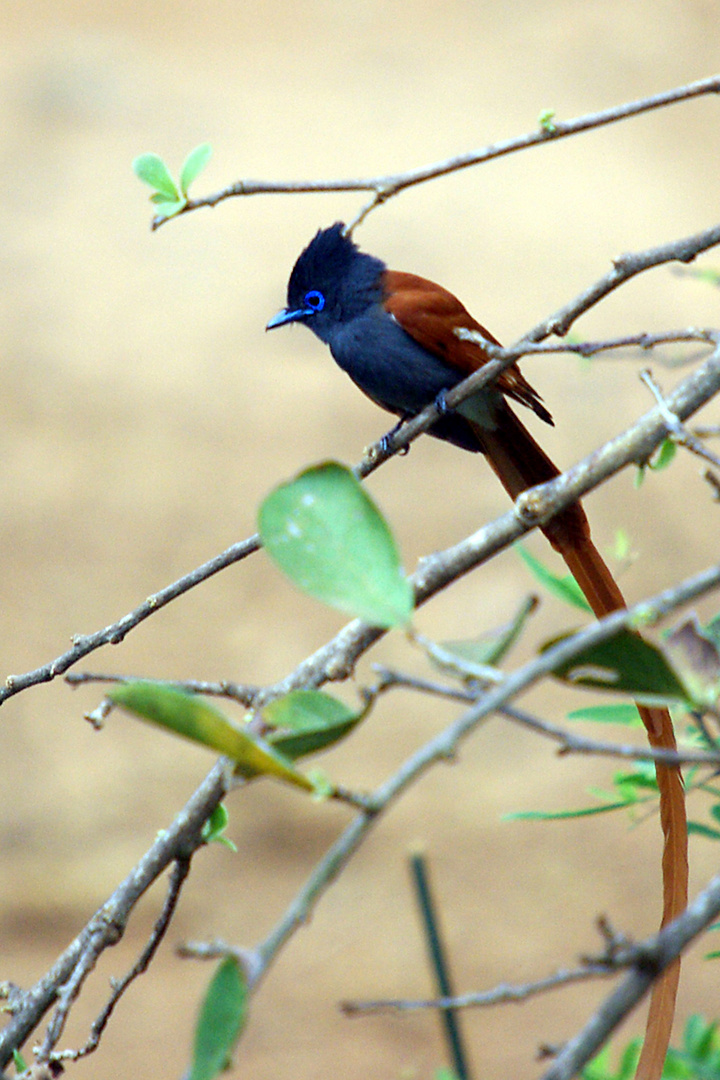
(288, 316)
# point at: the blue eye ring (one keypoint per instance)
(314, 300)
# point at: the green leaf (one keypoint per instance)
(223, 1015)
(193, 165)
(565, 586)
(618, 713)
(324, 531)
(624, 663)
(546, 120)
(165, 209)
(663, 455)
(213, 831)
(469, 657)
(563, 815)
(19, 1062)
(193, 718)
(312, 721)
(152, 170)
(696, 828)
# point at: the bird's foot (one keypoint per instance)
(385, 444)
(441, 403)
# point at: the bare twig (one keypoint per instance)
(179, 873)
(240, 692)
(677, 431)
(385, 187)
(652, 957)
(569, 742)
(114, 634)
(177, 842)
(502, 994)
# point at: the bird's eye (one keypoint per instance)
(314, 300)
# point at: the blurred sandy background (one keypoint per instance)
(144, 413)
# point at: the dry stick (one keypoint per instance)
(180, 871)
(385, 187)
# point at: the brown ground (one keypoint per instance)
(144, 414)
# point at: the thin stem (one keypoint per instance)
(387, 186)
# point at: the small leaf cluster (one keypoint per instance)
(170, 198)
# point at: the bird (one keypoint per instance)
(396, 335)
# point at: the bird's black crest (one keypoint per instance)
(333, 263)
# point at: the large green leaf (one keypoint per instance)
(190, 716)
(325, 532)
(223, 1015)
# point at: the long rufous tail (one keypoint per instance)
(520, 463)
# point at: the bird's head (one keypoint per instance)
(331, 283)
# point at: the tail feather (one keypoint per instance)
(520, 463)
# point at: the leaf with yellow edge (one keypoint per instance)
(193, 718)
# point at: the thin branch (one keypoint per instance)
(114, 634)
(677, 431)
(653, 956)
(385, 187)
(179, 873)
(624, 268)
(177, 842)
(569, 742)
(502, 994)
(243, 693)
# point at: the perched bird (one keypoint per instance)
(395, 336)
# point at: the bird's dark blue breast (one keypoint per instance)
(395, 372)
(387, 365)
